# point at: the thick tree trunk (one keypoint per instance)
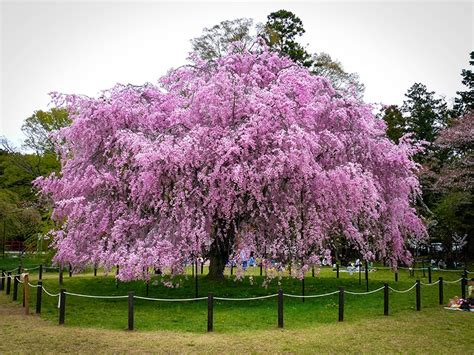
(219, 254)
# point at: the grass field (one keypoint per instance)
(245, 325)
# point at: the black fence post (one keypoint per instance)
(341, 304)
(40, 272)
(280, 308)
(366, 276)
(360, 274)
(196, 285)
(261, 268)
(62, 306)
(130, 310)
(192, 269)
(60, 275)
(385, 299)
(418, 295)
(15, 288)
(210, 312)
(312, 271)
(429, 274)
(396, 276)
(2, 281)
(302, 289)
(70, 270)
(441, 291)
(95, 269)
(39, 293)
(202, 267)
(463, 287)
(9, 281)
(337, 271)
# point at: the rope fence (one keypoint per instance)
(131, 297)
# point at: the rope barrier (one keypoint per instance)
(91, 296)
(31, 268)
(311, 296)
(452, 282)
(34, 286)
(405, 291)
(171, 299)
(245, 299)
(50, 294)
(429, 284)
(364, 293)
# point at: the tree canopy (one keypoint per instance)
(250, 152)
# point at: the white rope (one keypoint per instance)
(17, 278)
(452, 282)
(171, 299)
(50, 294)
(429, 284)
(33, 285)
(364, 293)
(245, 299)
(405, 291)
(311, 296)
(91, 296)
(31, 268)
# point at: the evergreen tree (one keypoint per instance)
(396, 123)
(465, 102)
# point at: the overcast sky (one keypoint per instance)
(84, 47)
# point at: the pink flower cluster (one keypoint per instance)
(153, 175)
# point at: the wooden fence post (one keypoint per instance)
(385, 299)
(39, 293)
(418, 295)
(341, 304)
(9, 282)
(441, 291)
(26, 293)
(62, 306)
(280, 308)
(210, 312)
(130, 310)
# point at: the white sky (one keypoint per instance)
(84, 47)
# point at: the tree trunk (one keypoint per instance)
(219, 253)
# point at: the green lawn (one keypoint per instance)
(233, 316)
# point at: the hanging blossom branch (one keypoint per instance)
(250, 153)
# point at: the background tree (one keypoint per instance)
(215, 42)
(396, 123)
(281, 33)
(425, 114)
(465, 102)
